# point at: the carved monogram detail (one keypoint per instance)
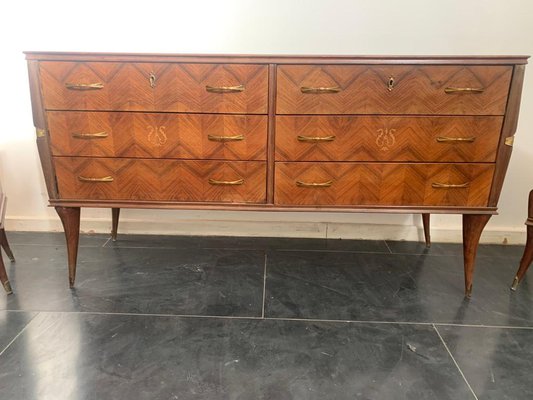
(386, 139)
(157, 135)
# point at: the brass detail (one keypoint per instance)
(84, 86)
(102, 179)
(314, 184)
(386, 139)
(40, 132)
(97, 135)
(509, 141)
(444, 139)
(152, 80)
(438, 185)
(390, 83)
(226, 183)
(320, 90)
(514, 286)
(8, 288)
(316, 138)
(225, 89)
(464, 90)
(157, 135)
(216, 138)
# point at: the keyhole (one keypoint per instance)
(390, 85)
(152, 80)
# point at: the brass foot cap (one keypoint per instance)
(7, 287)
(514, 286)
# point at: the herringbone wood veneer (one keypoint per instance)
(387, 184)
(158, 135)
(174, 87)
(160, 180)
(372, 138)
(364, 89)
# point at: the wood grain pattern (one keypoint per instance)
(160, 180)
(176, 87)
(417, 89)
(158, 135)
(372, 138)
(383, 184)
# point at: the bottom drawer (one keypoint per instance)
(165, 180)
(390, 184)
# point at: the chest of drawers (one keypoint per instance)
(353, 134)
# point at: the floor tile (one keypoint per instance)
(65, 356)
(173, 281)
(55, 238)
(11, 323)
(496, 362)
(440, 249)
(401, 288)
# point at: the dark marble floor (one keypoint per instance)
(163, 317)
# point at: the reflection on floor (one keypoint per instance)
(167, 317)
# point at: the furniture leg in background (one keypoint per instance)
(115, 213)
(5, 245)
(427, 235)
(527, 258)
(473, 225)
(70, 218)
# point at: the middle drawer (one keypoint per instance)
(158, 135)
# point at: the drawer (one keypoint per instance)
(383, 184)
(160, 180)
(217, 88)
(392, 89)
(158, 135)
(387, 138)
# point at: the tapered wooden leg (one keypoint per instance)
(5, 244)
(473, 225)
(427, 235)
(526, 260)
(115, 213)
(70, 217)
(3, 277)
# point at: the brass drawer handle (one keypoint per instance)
(314, 184)
(465, 90)
(320, 90)
(225, 89)
(216, 138)
(444, 139)
(97, 135)
(316, 138)
(438, 185)
(102, 179)
(84, 86)
(226, 183)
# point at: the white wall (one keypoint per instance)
(424, 27)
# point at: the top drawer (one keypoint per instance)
(110, 86)
(392, 89)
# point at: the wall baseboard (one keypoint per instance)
(258, 228)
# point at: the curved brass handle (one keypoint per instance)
(320, 90)
(216, 138)
(465, 90)
(316, 138)
(102, 179)
(225, 89)
(84, 86)
(444, 139)
(438, 185)
(314, 184)
(97, 135)
(226, 183)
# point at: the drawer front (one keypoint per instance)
(372, 138)
(160, 180)
(391, 184)
(224, 88)
(386, 89)
(158, 135)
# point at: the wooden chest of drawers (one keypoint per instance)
(384, 134)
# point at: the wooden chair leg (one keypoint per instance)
(473, 225)
(527, 258)
(115, 213)
(70, 218)
(5, 244)
(427, 234)
(3, 277)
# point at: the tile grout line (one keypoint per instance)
(388, 247)
(455, 362)
(107, 241)
(264, 286)
(18, 334)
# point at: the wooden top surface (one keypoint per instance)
(278, 59)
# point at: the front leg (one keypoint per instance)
(70, 218)
(473, 225)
